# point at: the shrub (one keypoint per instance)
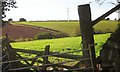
(107, 19)
(49, 35)
(22, 20)
(59, 35)
(10, 20)
(44, 35)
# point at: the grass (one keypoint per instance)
(57, 45)
(72, 28)
(66, 27)
(106, 26)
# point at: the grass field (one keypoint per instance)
(57, 45)
(68, 27)
(106, 26)
(72, 28)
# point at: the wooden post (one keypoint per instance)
(1, 15)
(45, 59)
(12, 53)
(1, 33)
(87, 33)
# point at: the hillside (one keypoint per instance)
(72, 28)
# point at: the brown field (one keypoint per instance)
(15, 31)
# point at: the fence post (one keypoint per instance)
(0, 15)
(45, 59)
(12, 53)
(87, 33)
(0, 32)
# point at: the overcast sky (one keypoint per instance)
(56, 9)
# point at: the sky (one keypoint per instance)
(33, 10)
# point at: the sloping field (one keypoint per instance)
(106, 26)
(72, 28)
(60, 44)
(16, 31)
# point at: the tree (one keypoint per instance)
(107, 19)
(10, 20)
(6, 5)
(22, 20)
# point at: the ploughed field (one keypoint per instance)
(22, 31)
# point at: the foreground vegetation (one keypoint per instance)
(72, 28)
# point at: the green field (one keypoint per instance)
(57, 45)
(67, 27)
(72, 28)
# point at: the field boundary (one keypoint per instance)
(14, 60)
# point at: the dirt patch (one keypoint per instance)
(15, 31)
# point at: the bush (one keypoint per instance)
(44, 35)
(10, 20)
(107, 19)
(60, 35)
(22, 20)
(49, 35)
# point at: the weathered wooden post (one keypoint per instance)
(0, 32)
(1, 14)
(45, 59)
(87, 33)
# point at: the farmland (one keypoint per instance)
(72, 28)
(67, 44)
(60, 44)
